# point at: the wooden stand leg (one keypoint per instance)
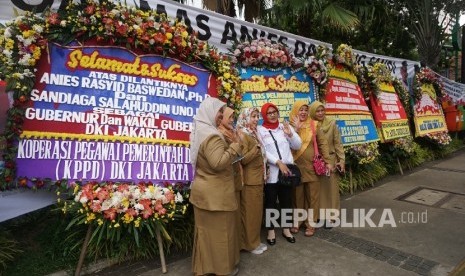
(160, 250)
(83, 251)
(400, 166)
(351, 183)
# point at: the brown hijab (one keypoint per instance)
(326, 123)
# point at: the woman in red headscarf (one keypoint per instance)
(278, 139)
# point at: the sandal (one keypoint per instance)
(294, 230)
(310, 231)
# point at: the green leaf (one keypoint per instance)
(136, 235)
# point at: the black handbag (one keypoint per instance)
(294, 178)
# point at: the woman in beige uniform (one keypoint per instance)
(329, 192)
(212, 193)
(307, 195)
(227, 129)
(254, 176)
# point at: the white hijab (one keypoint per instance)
(204, 125)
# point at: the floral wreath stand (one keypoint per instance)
(87, 239)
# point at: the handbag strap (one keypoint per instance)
(276, 144)
(315, 147)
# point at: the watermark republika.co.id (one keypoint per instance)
(352, 218)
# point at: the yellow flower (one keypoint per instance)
(90, 217)
(227, 75)
(28, 33)
(169, 36)
(10, 43)
(127, 218)
(100, 221)
(125, 202)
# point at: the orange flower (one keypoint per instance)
(110, 214)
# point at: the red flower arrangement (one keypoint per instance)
(114, 206)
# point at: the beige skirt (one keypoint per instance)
(215, 247)
(252, 212)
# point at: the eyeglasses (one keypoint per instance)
(272, 113)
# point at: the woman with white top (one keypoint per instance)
(276, 135)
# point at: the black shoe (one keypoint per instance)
(271, 241)
(289, 239)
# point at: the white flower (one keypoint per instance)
(63, 23)
(7, 53)
(178, 198)
(25, 60)
(106, 205)
(8, 32)
(37, 28)
(138, 206)
(83, 200)
(115, 12)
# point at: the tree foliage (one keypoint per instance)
(411, 29)
(428, 21)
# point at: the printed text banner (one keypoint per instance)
(429, 124)
(113, 99)
(356, 129)
(428, 115)
(389, 113)
(280, 87)
(345, 103)
(97, 160)
(455, 91)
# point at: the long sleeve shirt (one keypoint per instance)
(285, 145)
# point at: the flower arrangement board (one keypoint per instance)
(281, 87)
(91, 119)
(345, 103)
(389, 113)
(428, 114)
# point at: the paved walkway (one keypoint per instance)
(423, 233)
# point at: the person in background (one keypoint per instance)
(329, 192)
(213, 193)
(226, 128)
(276, 135)
(307, 196)
(254, 176)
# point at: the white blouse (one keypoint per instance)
(285, 145)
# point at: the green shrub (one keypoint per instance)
(9, 248)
